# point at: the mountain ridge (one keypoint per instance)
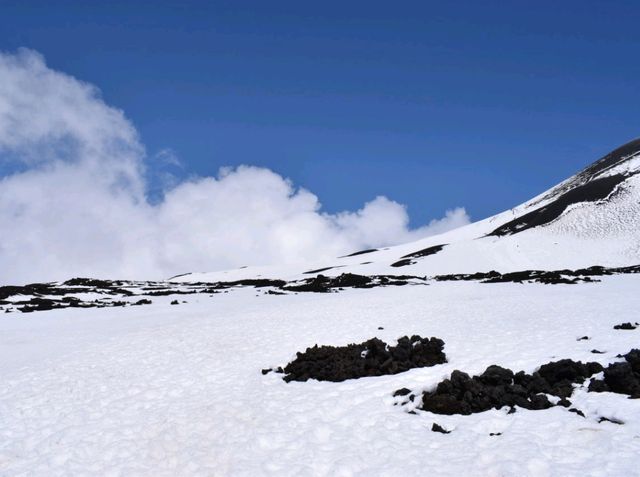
(586, 220)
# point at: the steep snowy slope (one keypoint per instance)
(592, 218)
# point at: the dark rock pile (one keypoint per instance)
(371, 358)
(498, 387)
(622, 377)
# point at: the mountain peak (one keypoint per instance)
(595, 183)
(615, 158)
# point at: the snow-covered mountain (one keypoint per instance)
(589, 219)
(183, 377)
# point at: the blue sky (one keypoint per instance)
(433, 104)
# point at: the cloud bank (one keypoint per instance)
(74, 197)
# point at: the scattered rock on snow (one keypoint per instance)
(49, 296)
(625, 326)
(611, 420)
(402, 392)
(577, 411)
(548, 277)
(275, 370)
(438, 428)
(324, 284)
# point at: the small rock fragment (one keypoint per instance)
(439, 428)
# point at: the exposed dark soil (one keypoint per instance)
(403, 263)
(371, 358)
(319, 270)
(361, 252)
(590, 191)
(252, 282)
(425, 252)
(607, 162)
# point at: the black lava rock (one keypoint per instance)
(625, 326)
(439, 428)
(371, 358)
(621, 377)
(611, 420)
(402, 392)
(498, 387)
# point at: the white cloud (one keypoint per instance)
(77, 207)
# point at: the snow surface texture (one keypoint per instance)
(177, 390)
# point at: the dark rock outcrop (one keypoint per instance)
(371, 358)
(498, 387)
(622, 377)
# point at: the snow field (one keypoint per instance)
(177, 390)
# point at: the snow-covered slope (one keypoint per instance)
(592, 218)
(163, 379)
(162, 390)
